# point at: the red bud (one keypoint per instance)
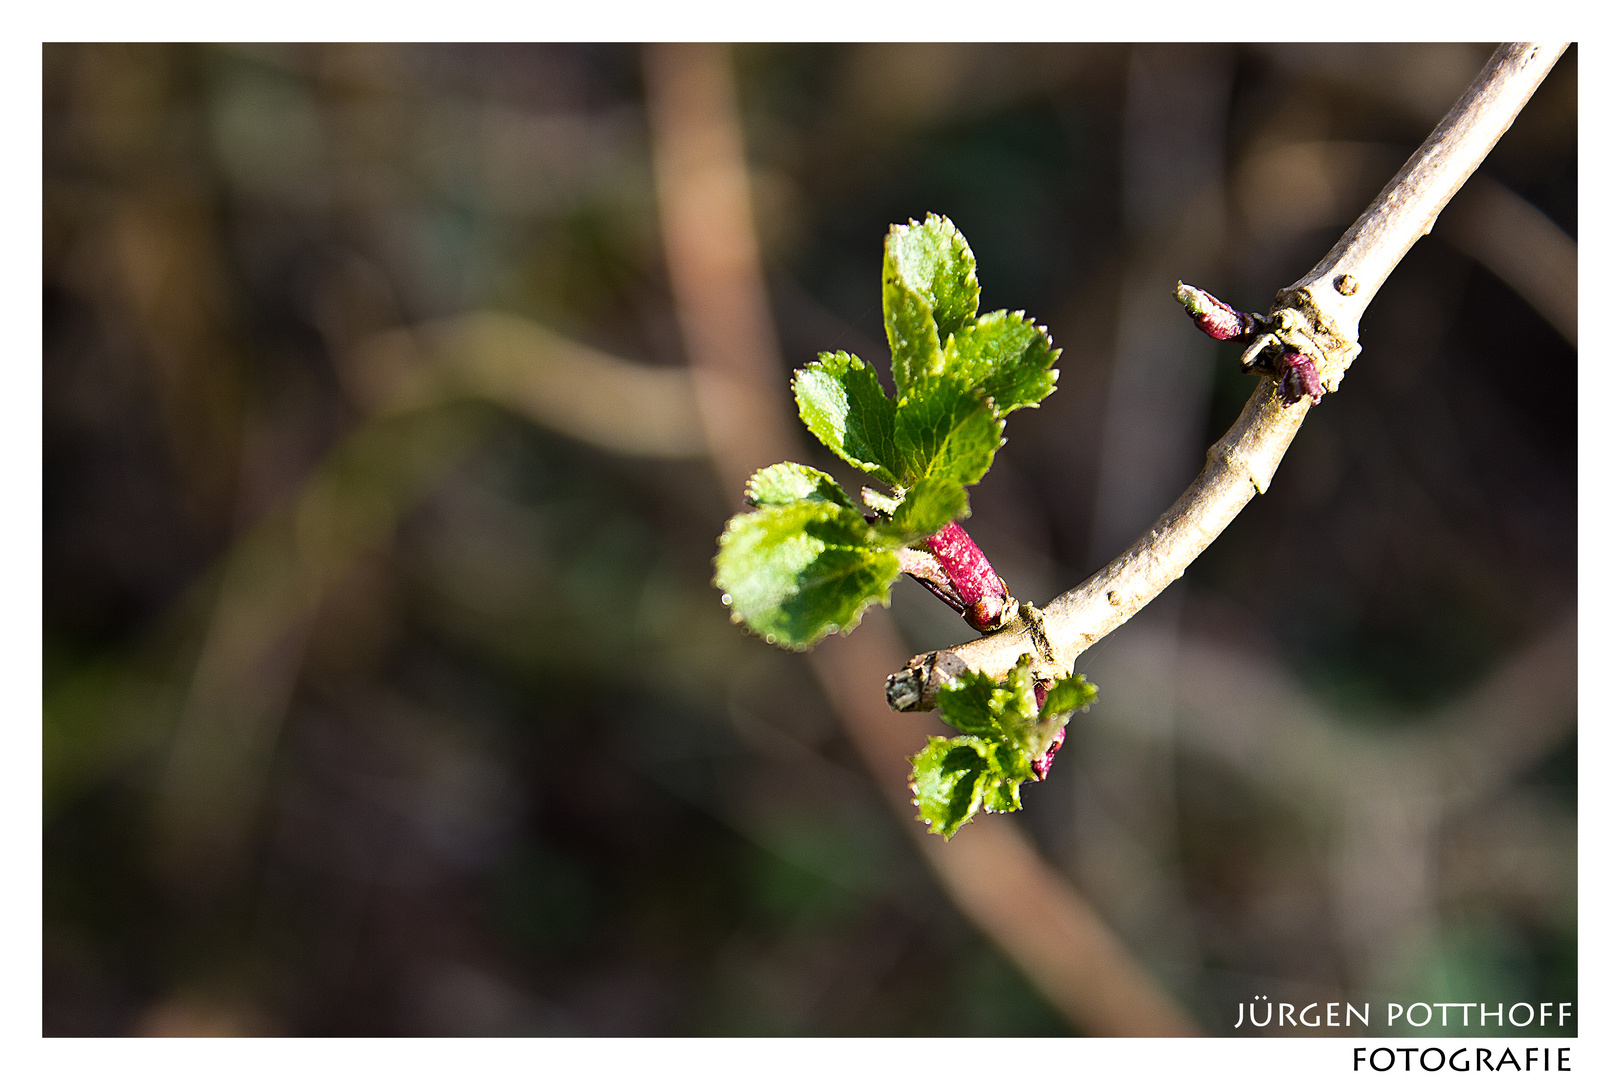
(986, 602)
(1299, 379)
(1043, 764)
(1216, 318)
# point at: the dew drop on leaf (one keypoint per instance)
(725, 598)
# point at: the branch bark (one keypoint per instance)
(1320, 316)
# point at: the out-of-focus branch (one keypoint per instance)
(1319, 316)
(269, 588)
(1520, 245)
(1249, 716)
(616, 405)
(714, 268)
(1515, 717)
(990, 870)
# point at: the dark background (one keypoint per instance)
(359, 723)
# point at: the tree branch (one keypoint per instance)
(1319, 316)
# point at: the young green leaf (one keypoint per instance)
(1003, 728)
(932, 262)
(999, 784)
(945, 782)
(1006, 357)
(1067, 695)
(798, 571)
(950, 431)
(952, 779)
(914, 346)
(778, 485)
(843, 405)
(928, 507)
(1003, 710)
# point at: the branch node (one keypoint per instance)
(1256, 358)
(1303, 327)
(1046, 659)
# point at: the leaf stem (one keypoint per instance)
(1318, 316)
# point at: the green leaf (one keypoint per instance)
(999, 784)
(778, 485)
(1067, 695)
(968, 703)
(1003, 710)
(799, 571)
(999, 720)
(945, 782)
(1019, 705)
(843, 405)
(933, 262)
(1006, 357)
(952, 779)
(913, 334)
(951, 398)
(933, 503)
(948, 431)
(930, 290)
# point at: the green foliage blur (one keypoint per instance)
(385, 696)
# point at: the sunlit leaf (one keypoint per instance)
(928, 507)
(930, 290)
(843, 405)
(945, 782)
(1067, 695)
(950, 432)
(778, 485)
(1006, 357)
(1002, 729)
(799, 571)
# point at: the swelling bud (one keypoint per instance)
(1214, 317)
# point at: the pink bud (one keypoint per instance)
(986, 603)
(1043, 764)
(1299, 379)
(987, 613)
(1219, 320)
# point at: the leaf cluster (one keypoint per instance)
(1004, 728)
(806, 560)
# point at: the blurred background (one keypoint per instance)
(386, 445)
